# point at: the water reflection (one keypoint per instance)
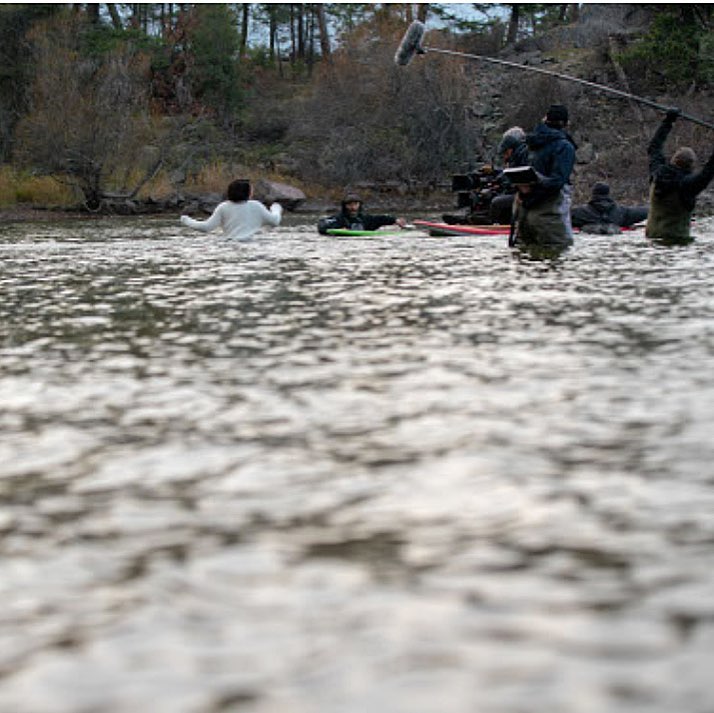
(305, 473)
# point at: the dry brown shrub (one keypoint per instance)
(370, 120)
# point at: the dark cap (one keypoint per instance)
(351, 198)
(557, 113)
(601, 189)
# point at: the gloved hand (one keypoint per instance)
(673, 113)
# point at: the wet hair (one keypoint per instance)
(684, 158)
(238, 190)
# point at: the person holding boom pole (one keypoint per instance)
(674, 186)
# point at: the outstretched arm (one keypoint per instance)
(331, 222)
(256, 213)
(205, 226)
(274, 215)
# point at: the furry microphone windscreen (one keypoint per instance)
(410, 44)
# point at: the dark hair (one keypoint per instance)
(238, 190)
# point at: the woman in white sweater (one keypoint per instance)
(238, 217)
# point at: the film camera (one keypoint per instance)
(474, 192)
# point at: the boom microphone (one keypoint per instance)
(410, 44)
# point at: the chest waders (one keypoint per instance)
(546, 224)
(669, 218)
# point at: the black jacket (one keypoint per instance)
(668, 178)
(603, 210)
(362, 221)
(552, 155)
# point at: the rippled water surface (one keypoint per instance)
(302, 474)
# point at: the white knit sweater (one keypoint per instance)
(237, 220)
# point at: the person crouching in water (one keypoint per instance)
(352, 217)
(674, 186)
(542, 209)
(601, 215)
(239, 217)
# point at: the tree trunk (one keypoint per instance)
(293, 38)
(116, 20)
(273, 31)
(310, 49)
(301, 32)
(92, 10)
(245, 15)
(513, 24)
(324, 36)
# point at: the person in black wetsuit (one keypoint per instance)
(674, 185)
(352, 217)
(603, 216)
(542, 209)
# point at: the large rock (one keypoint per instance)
(271, 192)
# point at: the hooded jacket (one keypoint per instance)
(673, 190)
(552, 155)
(603, 210)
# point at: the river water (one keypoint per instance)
(305, 474)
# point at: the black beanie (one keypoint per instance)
(601, 189)
(557, 113)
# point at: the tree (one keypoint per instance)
(88, 122)
(213, 45)
(513, 24)
(324, 33)
(16, 65)
(381, 123)
(677, 52)
(244, 25)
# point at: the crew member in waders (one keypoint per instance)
(513, 152)
(674, 186)
(542, 208)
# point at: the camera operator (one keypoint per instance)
(487, 194)
(475, 191)
(513, 151)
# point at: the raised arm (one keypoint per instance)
(655, 150)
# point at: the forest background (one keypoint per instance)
(121, 107)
